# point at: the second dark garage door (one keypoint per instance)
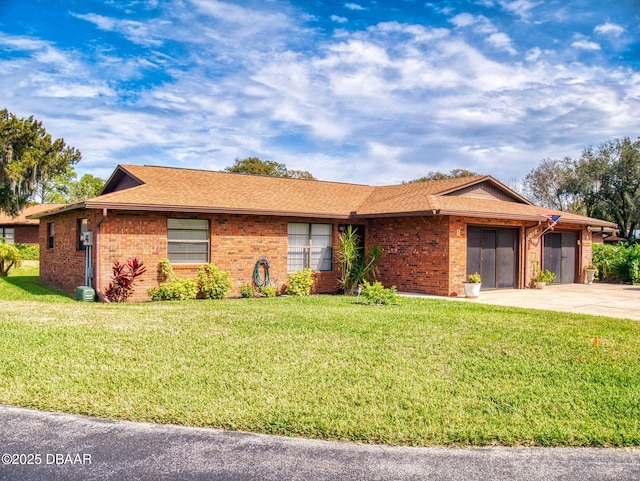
(493, 252)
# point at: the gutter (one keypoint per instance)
(96, 276)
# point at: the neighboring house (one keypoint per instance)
(432, 234)
(20, 229)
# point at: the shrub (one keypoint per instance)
(269, 291)
(9, 257)
(177, 289)
(377, 294)
(621, 262)
(29, 253)
(123, 280)
(172, 288)
(214, 283)
(355, 267)
(300, 283)
(246, 290)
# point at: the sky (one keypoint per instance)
(364, 91)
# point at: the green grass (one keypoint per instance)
(424, 372)
(22, 284)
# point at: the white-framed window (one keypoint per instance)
(188, 241)
(310, 246)
(8, 234)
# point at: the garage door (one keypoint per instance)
(560, 256)
(493, 253)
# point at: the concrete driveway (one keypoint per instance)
(601, 299)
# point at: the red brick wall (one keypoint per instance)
(64, 265)
(24, 234)
(419, 254)
(237, 242)
(415, 253)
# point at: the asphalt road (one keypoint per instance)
(38, 445)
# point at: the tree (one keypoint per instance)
(453, 174)
(608, 180)
(603, 183)
(28, 155)
(548, 185)
(253, 165)
(66, 188)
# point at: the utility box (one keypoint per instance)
(85, 294)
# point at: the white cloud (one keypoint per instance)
(137, 32)
(521, 8)
(584, 44)
(354, 6)
(380, 105)
(609, 29)
(501, 41)
(337, 19)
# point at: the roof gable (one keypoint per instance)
(121, 179)
(490, 189)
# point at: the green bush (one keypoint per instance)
(177, 289)
(377, 294)
(214, 283)
(269, 291)
(620, 262)
(9, 257)
(246, 290)
(300, 283)
(29, 253)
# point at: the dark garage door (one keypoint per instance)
(560, 256)
(493, 253)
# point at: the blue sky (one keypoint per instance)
(372, 92)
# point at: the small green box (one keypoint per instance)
(85, 294)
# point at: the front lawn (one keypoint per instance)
(424, 372)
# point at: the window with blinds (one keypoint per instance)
(188, 241)
(310, 246)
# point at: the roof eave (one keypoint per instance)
(487, 215)
(66, 208)
(211, 210)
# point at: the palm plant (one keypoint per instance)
(356, 268)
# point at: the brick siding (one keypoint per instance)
(237, 242)
(419, 254)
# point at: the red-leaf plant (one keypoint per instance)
(123, 279)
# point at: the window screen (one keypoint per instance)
(8, 234)
(188, 241)
(310, 246)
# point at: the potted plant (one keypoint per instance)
(542, 278)
(591, 271)
(472, 286)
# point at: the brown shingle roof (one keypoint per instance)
(21, 218)
(175, 189)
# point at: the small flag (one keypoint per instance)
(553, 219)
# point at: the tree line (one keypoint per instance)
(604, 182)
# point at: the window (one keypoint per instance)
(188, 241)
(310, 246)
(83, 226)
(50, 236)
(8, 234)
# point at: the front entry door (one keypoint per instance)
(493, 253)
(560, 256)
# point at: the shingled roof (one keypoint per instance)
(25, 216)
(169, 189)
